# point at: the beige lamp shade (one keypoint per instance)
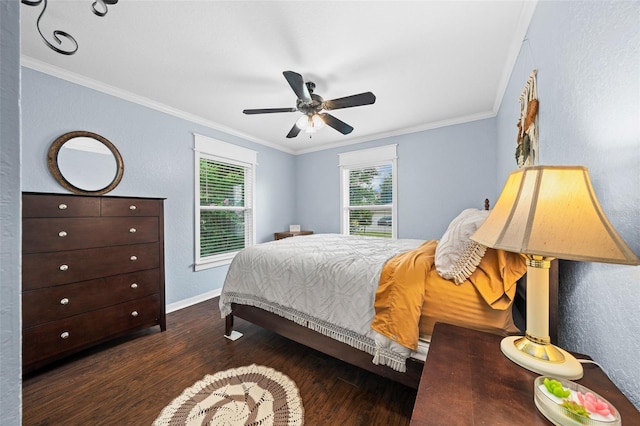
(552, 211)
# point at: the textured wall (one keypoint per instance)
(440, 173)
(10, 343)
(588, 58)
(157, 150)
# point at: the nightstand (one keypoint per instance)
(467, 380)
(281, 235)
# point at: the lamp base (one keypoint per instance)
(567, 368)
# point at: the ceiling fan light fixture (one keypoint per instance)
(318, 122)
(310, 123)
(303, 122)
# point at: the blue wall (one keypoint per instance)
(157, 149)
(440, 173)
(588, 60)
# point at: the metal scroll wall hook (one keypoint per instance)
(99, 8)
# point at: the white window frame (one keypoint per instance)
(213, 149)
(372, 157)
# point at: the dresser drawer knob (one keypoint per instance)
(132, 230)
(134, 285)
(64, 301)
(133, 258)
(132, 207)
(62, 234)
(64, 267)
(62, 206)
(134, 313)
(65, 335)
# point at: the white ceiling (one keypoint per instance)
(429, 63)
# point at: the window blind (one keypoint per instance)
(370, 201)
(223, 211)
(368, 184)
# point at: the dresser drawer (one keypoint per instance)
(45, 235)
(42, 205)
(50, 269)
(54, 303)
(73, 333)
(130, 207)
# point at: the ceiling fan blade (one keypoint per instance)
(293, 132)
(268, 110)
(297, 84)
(366, 98)
(339, 125)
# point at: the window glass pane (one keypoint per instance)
(221, 231)
(370, 222)
(361, 191)
(384, 184)
(370, 187)
(221, 184)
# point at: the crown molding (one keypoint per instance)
(81, 80)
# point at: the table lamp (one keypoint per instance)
(549, 212)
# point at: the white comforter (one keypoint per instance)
(326, 282)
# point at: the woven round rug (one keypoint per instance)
(251, 395)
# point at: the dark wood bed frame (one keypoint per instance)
(361, 359)
(346, 353)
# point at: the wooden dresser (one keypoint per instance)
(92, 270)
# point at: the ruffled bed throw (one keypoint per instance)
(405, 279)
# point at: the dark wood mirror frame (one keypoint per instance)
(52, 161)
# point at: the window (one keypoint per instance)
(368, 183)
(224, 201)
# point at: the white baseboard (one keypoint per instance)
(185, 303)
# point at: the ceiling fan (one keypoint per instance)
(311, 105)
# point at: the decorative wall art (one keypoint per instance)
(527, 148)
(66, 44)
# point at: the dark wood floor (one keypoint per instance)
(130, 383)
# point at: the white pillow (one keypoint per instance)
(457, 256)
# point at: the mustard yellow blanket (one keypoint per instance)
(404, 282)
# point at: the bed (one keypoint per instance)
(372, 302)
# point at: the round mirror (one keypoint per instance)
(85, 163)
